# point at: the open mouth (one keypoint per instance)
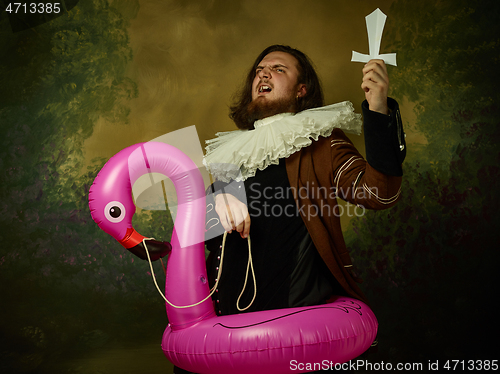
(265, 88)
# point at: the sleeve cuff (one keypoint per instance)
(384, 139)
(237, 189)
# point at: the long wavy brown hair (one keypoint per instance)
(307, 75)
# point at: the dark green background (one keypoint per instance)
(77, 89)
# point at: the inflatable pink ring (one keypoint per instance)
(266, 342)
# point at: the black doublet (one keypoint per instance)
(289, 270)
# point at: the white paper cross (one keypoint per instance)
(375, 23)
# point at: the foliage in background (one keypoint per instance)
(429, 263)
(65, 286)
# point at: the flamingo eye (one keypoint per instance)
(114, 211)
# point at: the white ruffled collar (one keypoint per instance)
(236, 155)
(269, 120)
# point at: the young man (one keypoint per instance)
(294, 162)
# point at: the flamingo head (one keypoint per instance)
(112, 208)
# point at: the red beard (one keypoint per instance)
(261, 108)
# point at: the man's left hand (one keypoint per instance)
(376, 85)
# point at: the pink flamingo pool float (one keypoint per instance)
(266, 342)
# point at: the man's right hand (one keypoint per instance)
(233, 214)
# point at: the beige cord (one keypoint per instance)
(249, 264)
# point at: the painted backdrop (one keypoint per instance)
(77, 88)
